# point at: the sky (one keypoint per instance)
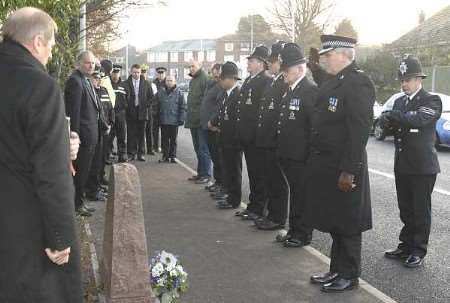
(377, 21)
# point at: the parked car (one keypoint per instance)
(442, 125)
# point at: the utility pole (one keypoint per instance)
(126, 58)
(251, 33)
(82, 45)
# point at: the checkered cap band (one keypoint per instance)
(337, 44)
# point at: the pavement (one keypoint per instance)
(228, 260)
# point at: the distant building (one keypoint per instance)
(119, 57)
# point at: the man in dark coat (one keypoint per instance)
(252, 92)
(266, 142)
(154, 128)
(224, 122)
(39, 253)
(83, 108)
(413, 121)
(140, 94)
(338, 191)
(120, 125)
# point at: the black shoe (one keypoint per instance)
(132, 157)
(172, 160)
(241, 213)
(220, 196)
(141, 158)
(294, 242)
(266, 224)
(339, 285)
(324, 278)
(225, 205)
(250, 216)
(397, 254)
(202, 180)
(413, 261)
(194, 178)
(211, 186)
(123, 159)
(163, 160)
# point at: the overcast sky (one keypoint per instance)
(377, 21)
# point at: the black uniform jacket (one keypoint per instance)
(340, 129)
(37, 192)
(294, 121)
(269, 112)
(252, 92)
(414, 126)
(145, 98)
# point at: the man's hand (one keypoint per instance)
(313, 59)
(58, 257)
(74, 145)
(212, 127)
(345, 182)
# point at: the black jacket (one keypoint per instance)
(414, 127)
(225, 119)
(107, 113)
(252, 92)
(341, 124)
(269, 113)
(82, 106)
(146, 94)
(37, 193)
(294, 121)
(210, 104)
(121, 96)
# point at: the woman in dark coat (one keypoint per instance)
(36, 187)
(172, 115)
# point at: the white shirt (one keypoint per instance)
(231, 89)
(296, 83)
(136, 91)
(414, 94)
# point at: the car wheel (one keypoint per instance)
(378, 132)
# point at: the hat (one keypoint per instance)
(96, 74)
(291, 55)
(229, 70)
(331, 42)
(261, 53)
(161, 70)
(107, 66)
(276, 50)
(410, 67)
(116, 68)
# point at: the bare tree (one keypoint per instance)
(310, 17)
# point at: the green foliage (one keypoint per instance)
(345, 28)
(259, 25)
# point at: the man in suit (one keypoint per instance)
(39, 250)
(413, 121)
(337, 183)
(140, 96)
(83, 108)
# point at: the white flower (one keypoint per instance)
(157, 270)
(173, 273)
(161, 282)
(168, 259)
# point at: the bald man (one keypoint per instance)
(39, 255)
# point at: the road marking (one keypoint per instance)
(391, 176)
(363, 284)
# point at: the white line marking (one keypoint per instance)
(390, 176)
(363, 284)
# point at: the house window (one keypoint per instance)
(186, 73)
(173, 56)
(161, 57)
(200, 56)
(188, 56)
(211, 56)
(245, 47)
(150, 57)
(229, 47)
(228, 58)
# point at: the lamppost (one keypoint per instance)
(82, 44)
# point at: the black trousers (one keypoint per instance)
(97, 167)
(82, 166)
(414, 202)
(169, 135)
(214, 152)
(346, 255)
(295, 175)
(152, 134)
(255, 168)
(276, 187)
(232, 164)
(119, 131)
(136, 136)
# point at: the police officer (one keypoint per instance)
(266, 142)
(225, 123)
(413, 121)
(337, 183)
(120, 125)
(153, 140)
(252, 92)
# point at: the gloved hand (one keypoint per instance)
(313, 59)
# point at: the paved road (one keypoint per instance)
(429, 284)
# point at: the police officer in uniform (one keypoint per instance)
(337, 183)
(225, 123)
(413, 121)
(252, 92)
(153, 140)
(120, 125)
(266, 142)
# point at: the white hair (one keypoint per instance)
(347, 52)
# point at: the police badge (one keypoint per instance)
(403, 68)
(332, 104)
(292, 116)
(225, 117)
(249, 97)
(271, 106)
(294, 104)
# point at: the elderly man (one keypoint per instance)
(197, 88)
(39, 254)
(338, 191)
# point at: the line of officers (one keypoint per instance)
(305, 149)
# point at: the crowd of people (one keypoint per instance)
(302, 125)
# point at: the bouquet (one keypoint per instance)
(167, 277)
